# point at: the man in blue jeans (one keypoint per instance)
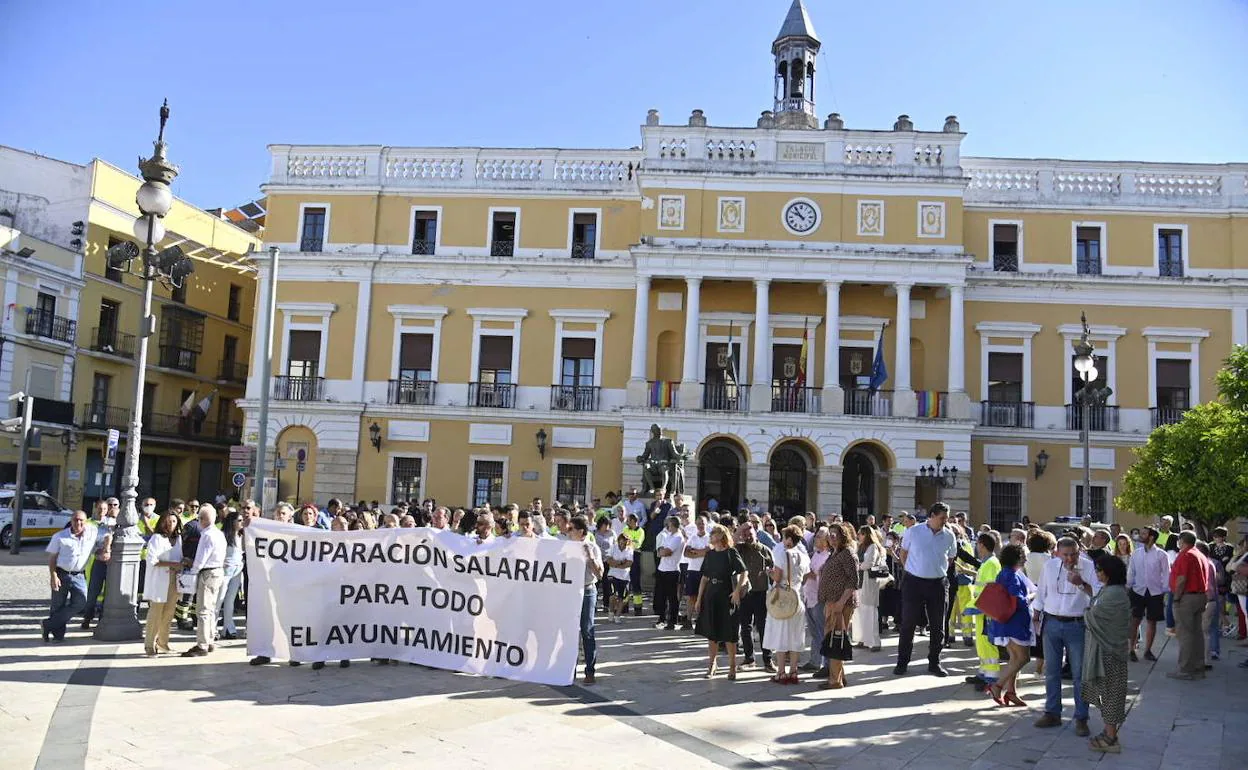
(578, 531)
(68, 552)
(1067, 585)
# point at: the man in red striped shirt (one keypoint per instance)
(1189, 582)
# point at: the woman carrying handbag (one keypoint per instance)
(838, 586)
(785, 633)
(872, 572)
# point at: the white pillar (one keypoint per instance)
(637, 393)
(690, 395)
(760, 387)
(904, 402)
(833, 396)
(959, 404)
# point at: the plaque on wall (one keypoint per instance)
(800, 152)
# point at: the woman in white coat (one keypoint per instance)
(786, 638)
(164, 559)
(866, 622)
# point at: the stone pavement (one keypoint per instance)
(83, 704)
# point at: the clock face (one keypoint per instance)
(801, 217)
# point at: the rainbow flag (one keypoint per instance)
(929, 403)
(661, 394)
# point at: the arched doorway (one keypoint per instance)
(295, 480)
(789, 482)
(863, 483)
(719, 475)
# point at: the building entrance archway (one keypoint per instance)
(790, 480)
(719, 475)
(864, 483)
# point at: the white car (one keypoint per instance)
(42, 516)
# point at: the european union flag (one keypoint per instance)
(879, 370)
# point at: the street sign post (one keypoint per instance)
(239, 480)
(269, 495)
(110, 453)
(301, 464)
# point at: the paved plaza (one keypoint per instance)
(85, 704)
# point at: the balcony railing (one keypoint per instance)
(1007, 414)
(423, 248)
(416, 392)
(286, 388)
(113, 342)
(1100, 418)
(582, 251)
(180, 358)
(1165, 415)
(187, 427)
(1005, 263)
(503, 248)
(103, 416)
(662, 393)
(232, 371)
(500, 395)
(869, 403)
(41, 323)
(311, 244)
(1170, 268)
(726, 397)
(1088, 266)
(574, 398)
(788, 397)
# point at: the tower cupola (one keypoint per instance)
(795, 49)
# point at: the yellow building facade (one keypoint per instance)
(197, 355)
(502, 324)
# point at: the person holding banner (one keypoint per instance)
(578, 531)
(720, 589)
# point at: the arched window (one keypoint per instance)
(788, 481)
(797, 80)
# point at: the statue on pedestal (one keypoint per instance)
(662, 464)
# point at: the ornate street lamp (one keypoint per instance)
(1087, 397)
(119, 619)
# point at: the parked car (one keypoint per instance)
(1062, 524)
(42, 516)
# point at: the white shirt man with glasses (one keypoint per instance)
(1067, 585)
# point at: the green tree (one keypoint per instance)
(1197, 467)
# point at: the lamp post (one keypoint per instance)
(1087, 397)
(119, 619)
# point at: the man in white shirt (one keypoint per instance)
(440, 518)
(578, 532)
(926, 551)
(207, 566)
(635, 506)
(1148, 580)
(697, 543)
(1067, 585)
(669, 545)
(68, 553)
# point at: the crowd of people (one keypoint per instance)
(804, 592)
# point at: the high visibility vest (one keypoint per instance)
(1162, 539)
(988, 571)
(637, 536)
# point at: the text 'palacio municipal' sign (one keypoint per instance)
(508, 608)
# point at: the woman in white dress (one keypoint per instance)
(163, 555)
(866, 622)
(786, 638)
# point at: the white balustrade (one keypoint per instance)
(1087, 182)
(317, 166)
(424, 168)
(509, 169)
(868, 154)
(731, 149)
(1006, 180)
(1176, 185)
(930, 155)
(673, 148)
(596, 172)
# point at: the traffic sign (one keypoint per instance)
(279, 463)
(301, 466)
(301, 458)
(110, 453)
(239, 480)
(114, 436)
(242, 458)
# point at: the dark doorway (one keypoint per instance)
(210, 481)
(858, 487)
(789, 472)
(719, 475)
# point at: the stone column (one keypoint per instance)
(758, 483)
(829, 502)
(638, 393)
(904, 402)
(959, 407)
(690, 395)
(833, 395)
(760, 387)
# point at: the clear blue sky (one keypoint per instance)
(1101, 79)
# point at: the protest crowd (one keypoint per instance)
(795, 595)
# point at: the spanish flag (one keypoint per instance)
(801, 361)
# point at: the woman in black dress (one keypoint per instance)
(724, 582)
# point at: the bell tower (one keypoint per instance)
(795, 49)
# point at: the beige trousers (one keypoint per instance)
(208, 585)
(159, 616)
(1189, 610)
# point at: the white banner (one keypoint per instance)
(509, 608)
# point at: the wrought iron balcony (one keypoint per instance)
(180, 358)
(42, 323)
(103, 416)
(505, 248)
(190, 428)
(869, 403)
(312, 244)
(1170, 268)
(232, 371)
(1101, 417)
(108, 340)
(423, 248)
(726, 397)
(662, 393)
(1005, 263)
(286, 388)
(1088, 266)
(788, 397)
(1007, 414)
(1165, 415)
(574, 398)
(582, 251)
(416, 392)
(500, 395)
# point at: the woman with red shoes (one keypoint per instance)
(1016, 633)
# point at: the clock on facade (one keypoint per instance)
(801, 216)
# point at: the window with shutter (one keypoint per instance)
(494, 359)
(416, 357)
(1005, 377)
(1005, 248)
(304, 359)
